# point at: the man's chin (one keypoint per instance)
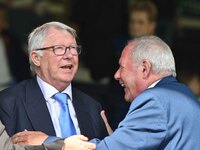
(66, 80)
(126, 99)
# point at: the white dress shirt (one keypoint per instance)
(54, 107)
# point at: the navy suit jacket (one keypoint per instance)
(165, 117)
(23, 107)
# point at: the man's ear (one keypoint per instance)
(35, 57)
(146, 69)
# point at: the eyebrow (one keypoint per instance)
(121, 64)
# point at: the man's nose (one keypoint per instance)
(117, 75)
(67, 54)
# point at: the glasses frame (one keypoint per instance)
(78, 49)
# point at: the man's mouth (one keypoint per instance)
(123, 85)
(69, 66)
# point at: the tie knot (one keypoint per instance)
(61, 98)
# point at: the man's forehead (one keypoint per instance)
(52, 31)
(126, 52)
(127, 49)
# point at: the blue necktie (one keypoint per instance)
(66, 124)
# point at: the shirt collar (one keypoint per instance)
(48, 90)
(153, 84)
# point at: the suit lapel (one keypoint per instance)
(83, 116)
(37, 110)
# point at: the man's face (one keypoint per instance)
(129, 75)
(56, 70)
(139, 24)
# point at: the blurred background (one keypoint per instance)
(103, 28)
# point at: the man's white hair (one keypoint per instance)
(155, 50)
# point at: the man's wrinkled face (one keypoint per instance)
(58, 70)
(128, 74)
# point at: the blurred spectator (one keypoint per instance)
(142, 18)
(142, 21)
(13, 60)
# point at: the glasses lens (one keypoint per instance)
(59, 50)
(79, 49)
(75, 50)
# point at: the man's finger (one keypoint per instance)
(81, 137)
(103, 115)
(109, 129)
(23, 133)
(89, 145)
(18, 139)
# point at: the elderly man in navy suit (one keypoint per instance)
(32, 107)
(164, 114)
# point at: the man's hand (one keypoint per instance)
(109, 129)
(78, 142)
(29, 137)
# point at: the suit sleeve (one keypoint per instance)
(8, 112)
(5, 141)
(144, 127)
(57, 145)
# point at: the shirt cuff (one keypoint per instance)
(51, 139)
(95, 141)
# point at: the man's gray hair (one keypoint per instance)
(37, 36)
(155, 50)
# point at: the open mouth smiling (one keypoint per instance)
(68, 66)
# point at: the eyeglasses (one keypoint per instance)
(60, 50)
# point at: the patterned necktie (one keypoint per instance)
(66, 124)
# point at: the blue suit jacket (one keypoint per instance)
(166, 116)
(23, 107)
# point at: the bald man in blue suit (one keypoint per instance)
(164, 114)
